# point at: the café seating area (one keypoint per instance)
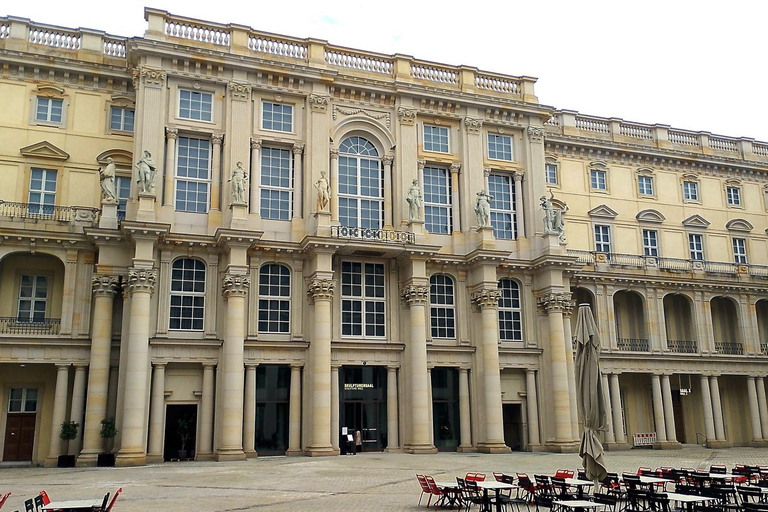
(42, 503)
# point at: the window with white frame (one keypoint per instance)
(195, 105)
(22, 400)
(740, 250)
(121, 119)
(650, 242)
(598, 179)
(193, 175)
(733, 195)
(502, 188)
(49, 110)
(187, 295)
(696, 246)
(436, 138)
(645, 185)
(550, 173)
(691, 190)
(33, 298)
(442, 310)
(123, 188)
(274, 298)
(602, 238)
(437, 200)
(499, 147)
(361, 184)
(42, 191)
(363, 303)
(277, 116)
(276, 184)
(510, 311)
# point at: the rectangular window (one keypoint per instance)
(121, 119)
(123, 188)
(502, 188)
(597, 179)
(274, 298)
(696, 246)
(42, 191)
(193, 174)
(277, 116)
(650, 243)
(362, 299)
(645, 185)
(734, 196)
(49, 110)
(22, 400)
(33, 296)
(435, 138)
(602, 238)
(276, 184)
(195, 105)
(690, 191)
(500, 147)
(740, 250)
(550, 171)
(437, 200)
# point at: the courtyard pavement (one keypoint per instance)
(365, 482)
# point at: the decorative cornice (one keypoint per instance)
(557, 302)
(105, 285)
(407, 115)
(235, 285)
(486, 298)
(367, 113)
(321, 289)
(141, 280)
(415, 295)
(240, 92)
(473, 125)
(318, 103)
(535, 134)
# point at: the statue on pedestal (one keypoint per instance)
(553, 217)
(483, 209)
(414, 199)
(239, 182)
(147, 172)
(323, 193)
(107, 178)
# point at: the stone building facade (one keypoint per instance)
(299, 245)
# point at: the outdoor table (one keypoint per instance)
(653, 480)
(451, 492)
(74, 504)
(579, 484)
(576, 504)
(723, 476)
(688, 499)
(496, 486)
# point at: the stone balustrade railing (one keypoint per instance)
(567, 122)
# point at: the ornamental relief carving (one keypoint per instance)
(535, 134)
(235, 285)
(104, 285)
(150, 77)
(486, 298)
(473, 125)
(367, 113)
(321, 289)
(318, 103)
(558, 302)
(239, 92)
(415, 295)
(407, 115)
(141, 280)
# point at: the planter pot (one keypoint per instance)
(66, 461)
(105, 460)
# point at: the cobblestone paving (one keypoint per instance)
(366, 482)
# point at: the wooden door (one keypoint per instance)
(19, 437)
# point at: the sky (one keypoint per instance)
(694, 65)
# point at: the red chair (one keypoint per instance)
(114, 499)
(3, 499)
(526, 485)
(435, 490)
(564, 473)
(424, 488)
(46, 499)
(475, 477)
(643, 468)
(498, 476)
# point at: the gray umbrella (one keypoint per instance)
(589, 393)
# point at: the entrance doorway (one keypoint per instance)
(513, 422)
(19, 437)
(180, 431)
(364, 404)
(273, 392)
(445, 409)
(677, 410)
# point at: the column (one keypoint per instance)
(104, 290)
(393, 442)
(77, 408)
(59, 414)
(133, 434)
(762, 405)
(658, 409)
(754, 411)
(519, 210)
(235, 288)
(204, 444)
(706, 404)
(455, 204)
(571, 372)
(298, 181)
(157, 414)
(420, 383)
(171, 134)
(669, 412)
(488, 302)
(249, 411)
(464, 412)
(321, 291)
(68, 299)
(609, 436)
(255, 175)
(532, 403)
(335, 426)
(294, 414)
(388, 222)
(334, 185)
(717, 408)
(216, 141)
(618, 424)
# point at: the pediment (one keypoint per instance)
(44, 149)
(696, 221)
(602, 211)
(739, 225)
(121, 157)
(45, 89)
(650, 215)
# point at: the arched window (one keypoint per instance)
(510, 312)
(442, 310)
(187, 295)
(361, 184)
(274, 298)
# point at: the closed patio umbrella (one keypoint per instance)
(589, 393)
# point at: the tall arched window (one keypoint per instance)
(510, 312)
(274, 298)
(361, 185)
(187, 295)
(442, 310)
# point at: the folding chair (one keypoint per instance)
(424, 489)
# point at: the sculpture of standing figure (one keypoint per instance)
(483, 209)
(553, 217)
(414, 201)
(107, 177)
(239, 181)
(147, 172)
(323, 193)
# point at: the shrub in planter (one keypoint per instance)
(68, 432)
(108, 431)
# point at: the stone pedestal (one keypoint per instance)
(146, 211)
(239, 218)
(322, 223)
(484, 238)
(417, 228)
(108, 219)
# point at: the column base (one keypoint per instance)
(667, 445)
(51, 462)
(126, 458)
(87, 460)
(296, 453)
(616, 447)
(758, 443)
(717, 444)
(155, 458)
(420, 448)
(562, 446)
(321, 451)
(251, 454)
(205, 456)
(497, 447)
(396, 450)
(466, 449)
(536, 448)
(228, 454)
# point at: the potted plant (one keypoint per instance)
(68, 432)
(184, 428)
(108, 431)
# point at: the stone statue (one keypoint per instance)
(323, 193)
(414, 201)
(553, 217)
(107, 177)
(147, 172)
(483, 209)
(239, 182)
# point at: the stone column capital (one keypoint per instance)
(209, 366)
(420, 164)
(486, 171)
(407, 115)
(463, 369)
(318, 102)
(104, 285)
(474, 125)
(559, 302)
(238, 91)
(249, 366)
(296, 366)
(334, 153)
(486, 298)
(535, 134)
(217, 139)
(255, 143)
(235, 285)
(518, 176)
(141, 280)
(455, 168)
(149, 77)
(321, 289)
(159, 364)
(387, 160)
(171, 133)
(298, 149)
(415, 295)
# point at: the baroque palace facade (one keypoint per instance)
(291, 239)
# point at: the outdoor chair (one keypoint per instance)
(46, 499)
(749, 494)
(3, 499)
(29, 505)
(670, 474)
(39, 504)
(435, 490)
(114, 499)
(608, 501)
(561, 489)
(643, 468)
(564, 473)
(637, 500)
(718, 468)
(471, 495)
(497, 476)
(527, 488)
(543, 501)
(755, 507)
(475, 477)
(543, 484)
(424, 489)
(507, 499)
(104, 504)
(659, 502)
(582, 474)
(632, 481)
